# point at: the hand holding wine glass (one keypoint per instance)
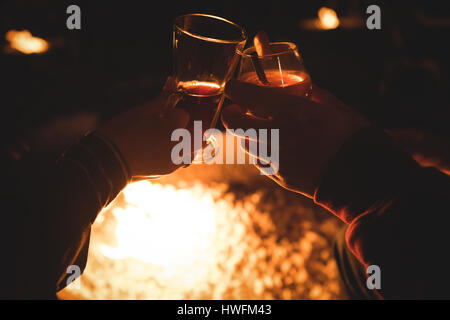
(142, 135)
(312, 123)
(311, 130)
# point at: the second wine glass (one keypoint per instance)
(282, 69)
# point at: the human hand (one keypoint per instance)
(311, 130)
(143, 135)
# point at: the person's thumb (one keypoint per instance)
(233, 117)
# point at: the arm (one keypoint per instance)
(397, 211)
(397, 214)
(51, 208)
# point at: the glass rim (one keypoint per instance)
(243, 33)
(292, 47)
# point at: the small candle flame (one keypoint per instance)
(328, 18)
(24, 42)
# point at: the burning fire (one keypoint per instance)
(153, 215)
(24, 42)
(193, 240)
(328, 19)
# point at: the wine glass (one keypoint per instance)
(280, 67)
(205, 56)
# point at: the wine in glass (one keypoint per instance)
(278, 66)
(205, 56)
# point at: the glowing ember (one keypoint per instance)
(195, 240)
(24, 42)
(328, 19)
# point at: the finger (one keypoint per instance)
(158, 105)
(259, 159)
(170, 84)
(250, 147)
(255, 149)
(233, 117)
(265, 100)
(169, 96)
(267, 170)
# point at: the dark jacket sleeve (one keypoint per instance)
(398, 214)
(51, 210)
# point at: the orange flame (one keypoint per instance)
(192, 240)
(328, 18)
(24, 42)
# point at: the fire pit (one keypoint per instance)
(210, 232)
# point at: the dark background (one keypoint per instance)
(397, 76)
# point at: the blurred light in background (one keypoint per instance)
(328, 19)
(25, 42)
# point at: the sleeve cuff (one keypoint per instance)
(103, 163)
